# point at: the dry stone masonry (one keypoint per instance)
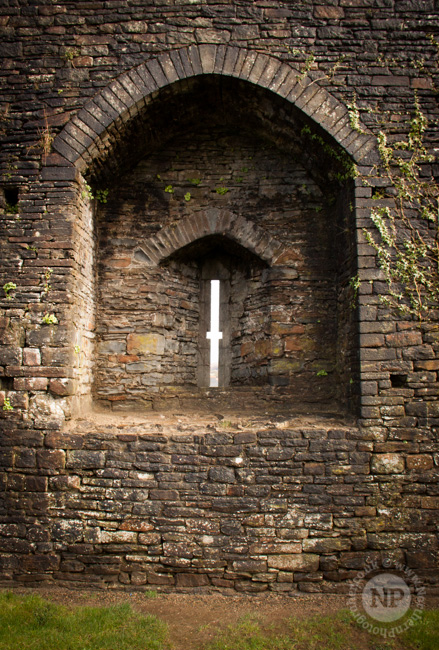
(148, 148)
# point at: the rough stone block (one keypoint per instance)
(222, 475)
(299, 562)
(387, 464)
(325, 545)
(61, 387)
(51, 459)
(191, 580)
(84, 459)
(68, 531)
(420, 462)
(404, 339)
(146, 344)
(31, 357)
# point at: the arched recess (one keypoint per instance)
(212, 222)
(89, 134)
(91, 142)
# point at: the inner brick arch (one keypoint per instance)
(87, 136)
(213, 222)
(89, 139)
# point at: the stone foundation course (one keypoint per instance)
(146, 150)
(250, 505)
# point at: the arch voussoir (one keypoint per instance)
(207, 57)
(258, 68)
(124, 97)
(168, 68)
(270, 71)
(187, 230)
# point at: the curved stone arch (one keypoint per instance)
(175, 236)
(122, 99)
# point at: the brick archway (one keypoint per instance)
(86, 134)
(91, 137)
(213, 222)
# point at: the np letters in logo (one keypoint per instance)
(386, 597)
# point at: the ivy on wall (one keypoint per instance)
(406, 235)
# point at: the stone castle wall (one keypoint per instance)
(259, 98)
(265, 506)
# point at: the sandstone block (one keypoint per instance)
(404, 339)
(249, 566)
(222, 475)
(39, 563)
(31, 357)
(31, 383)
(387, 464)
(61, 386)
(84, 459)
(138, 578)
(145, 344)
(419, 462)
(118, 537)
(299, 562)
(325, 545)
(334, 13)
(51, 458)
(68, 531)
(65, 483)
(192, 580)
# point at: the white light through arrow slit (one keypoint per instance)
(214, 335)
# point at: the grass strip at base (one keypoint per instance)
(324, 632)
(32, 623)
(424, 635)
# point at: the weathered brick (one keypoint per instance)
(419, 462)
(404, 339)
(299, 562)
(387, 464)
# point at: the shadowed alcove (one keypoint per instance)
(214, 145)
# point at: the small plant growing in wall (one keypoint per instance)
(7, 288)
(354, 283)
(7, 406)
(68, 56)
(49, 319)
(102, 195)
(354, 115)
(45, 138)
(47, 275)
(221, 190)
(347, 168)
(169, 189)
(11, 209)
(187, 196)
(322, 373)
(87, 193)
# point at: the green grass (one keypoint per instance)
(335, 632)
(248, 635)
(425, 634)
(315, 633)
(31, 623)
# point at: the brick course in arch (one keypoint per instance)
(213, 222)
(125, 96)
